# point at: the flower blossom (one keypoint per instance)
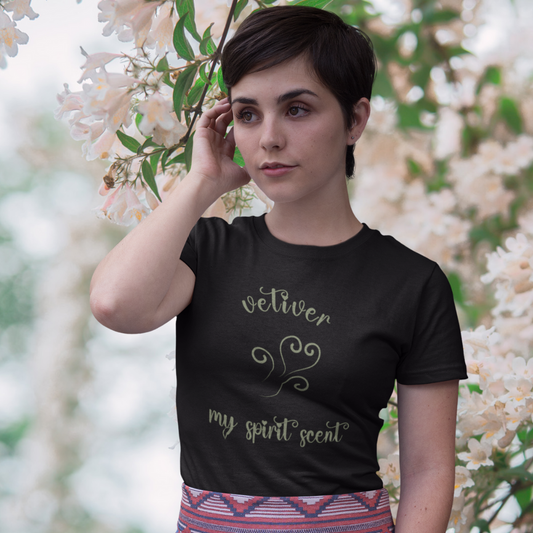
(161, 36)
(21, 9)
(130, 19)
(513, 271)
(389, 469)
(95, 61)
(463, 480)
(123, 206)
(10, 36)
(479, 455)
(160, 120)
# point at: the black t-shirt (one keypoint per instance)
(287, 353)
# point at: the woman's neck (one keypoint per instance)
(323, 224)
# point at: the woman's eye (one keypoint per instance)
(295, 111)
(246, 116)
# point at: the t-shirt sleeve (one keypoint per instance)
(436, 349)
(189, 255)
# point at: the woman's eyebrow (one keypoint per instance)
(293, 94)
(282, 98)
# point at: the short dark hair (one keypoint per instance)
(341, 56)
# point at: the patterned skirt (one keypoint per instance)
(216, 512)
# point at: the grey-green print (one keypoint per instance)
(294, 344)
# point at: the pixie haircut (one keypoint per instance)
(341, 56)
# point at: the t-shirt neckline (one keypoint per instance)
(306, 251)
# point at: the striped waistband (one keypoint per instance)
(216, 512)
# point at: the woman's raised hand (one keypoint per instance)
(213, 150)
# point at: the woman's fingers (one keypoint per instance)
(209, 117)
(223, 122)
(230, 138)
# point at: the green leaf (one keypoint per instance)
(164, 158)
(129, 142)
(183, 84)
(162, 65)
(382, 85)
(493, 75)
(441, 16)
(409, 117)
(148, 175)
(205, 41)
(518, 472)
(154, 160)
(138, 118)
(11, 435)
(421, 76)
(187, 7)
(523, 497)
(525, 436)
(148, 142)
(237, 157)
(203, 73)
(474, 387)
(320, 4)
(188, 152)
(211, 47)
(457, 287)
(195, 92)
(414, 168)
(511, 114)
(483, 525)
(241, 4)
(179, 159)
(457, 51)
(181, 44)
(220, 80)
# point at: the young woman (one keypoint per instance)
(293, 327)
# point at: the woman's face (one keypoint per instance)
(291, 132)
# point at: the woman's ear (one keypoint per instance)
(361, 114)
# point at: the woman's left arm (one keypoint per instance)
(427, 420)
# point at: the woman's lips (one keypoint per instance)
(276, 171)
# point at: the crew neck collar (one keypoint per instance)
(306, 251)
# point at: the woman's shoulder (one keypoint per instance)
(403, 260)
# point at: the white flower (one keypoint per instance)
(104, 148)
(161, 35)
(463, 480)
(156, 112)
(479, 340)
(3, 60)
(95, 61)
(69, 102)
(462, 516)
(389, 469)
(479, 455)
(160, 120)
(523, 369)
(128, 18)
(21, 9)
(519, 390)
(10, 37)
(123, 207)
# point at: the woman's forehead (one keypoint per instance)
(278, 81)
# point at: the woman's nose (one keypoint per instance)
(272, 137)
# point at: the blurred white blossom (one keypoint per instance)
(10, 36)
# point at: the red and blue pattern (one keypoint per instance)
(216, 512)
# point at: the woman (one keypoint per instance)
(293, 327)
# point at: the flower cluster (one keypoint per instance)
(10, 35)
(482, 175)
(425, 222)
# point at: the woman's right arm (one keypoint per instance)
(142, 283)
